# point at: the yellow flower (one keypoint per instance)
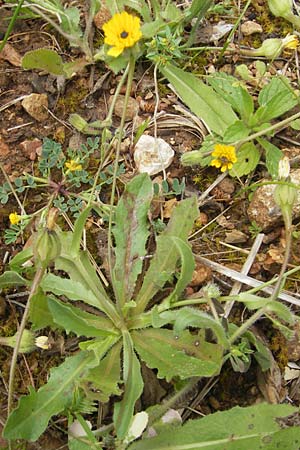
(14, 218)
(224, 156)
(121, 31)
(290, 41)
(73, 165)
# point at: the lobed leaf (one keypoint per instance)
(30, 419)
(184, 356)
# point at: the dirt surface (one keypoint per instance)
(223, 232)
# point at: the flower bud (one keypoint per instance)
(192, 158)
(27, 341)
(47, 246)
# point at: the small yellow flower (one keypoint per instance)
(73, 165)
(224, 156)
(42, 342)
(14, 218)
(121, 31)
(290, 41)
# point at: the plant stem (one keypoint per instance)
(131, 66)
(267, 130)
(36, 281)
(11, 24)
(23, 212)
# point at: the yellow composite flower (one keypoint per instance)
(121, 31)
(73, 165)
(224, 157)
(14, 218)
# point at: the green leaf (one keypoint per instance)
(275, 99)
(201, 99)
(81, 270)
(43, 59)
(236, 132)
(191, 317)
(164, 262)
(247, 159)
(186, 269)
(99, 346)
(30, 419)
(106, 376)
(78, 321)
(150, 29)
(273, 156)
(281, 311)
(39, 313)
(229, 88)
(131, 234)
(123, 411)
(78, 230)
(12, 279)
(74, 290)
(20, 258)
(183, 356)
(198, 9)
(259, 427)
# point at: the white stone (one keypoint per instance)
(152, 155)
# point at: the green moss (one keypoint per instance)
(69, 103)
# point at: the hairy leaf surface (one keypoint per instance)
(185, 356)
(131, 234)
(201, 99)
(30, 419)
(256, 427)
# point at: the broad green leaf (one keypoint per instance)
(12, 279)
(181, 356)
(259, 427)
(44, 59)
(201, 99)
(30, 419)
(275, 99)
(105, 378)
(39, 314)
(190, 317)
(78, 321)
(123, 411)
(131, 234)
(273, 156)
(229, 88)
(74, 290)
(252, 301)
(247, 159)
(236, 132)
(164, 262)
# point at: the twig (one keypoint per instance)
(245, 269)
(245, 279)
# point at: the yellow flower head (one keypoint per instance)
(73, 165)
(121, 31)
(14, 218)
(224, 157)
(290, 41)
